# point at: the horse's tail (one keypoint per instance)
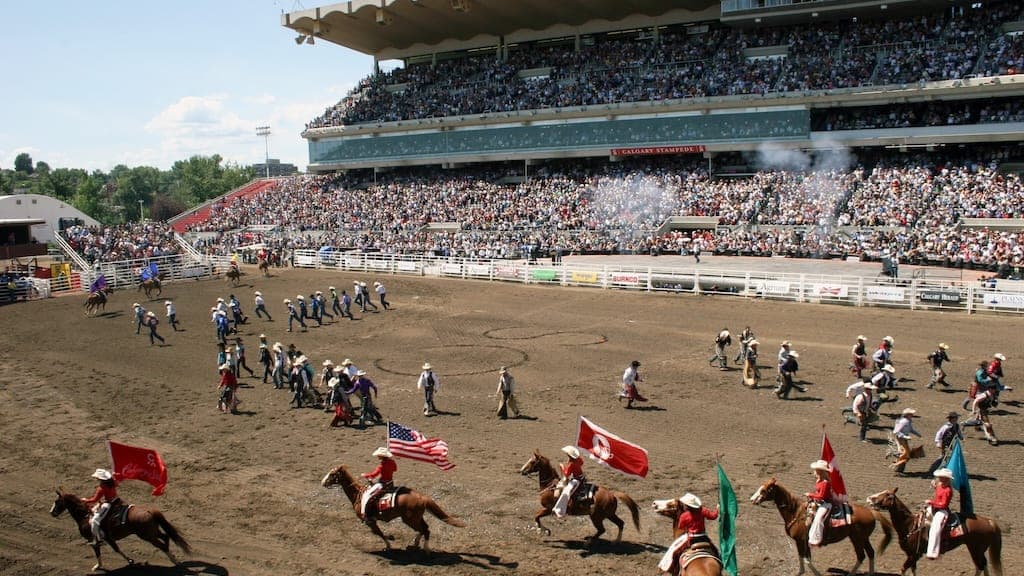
(172, 532)
(633, 509)
(443, 516)
(887, 530)
(995, 550)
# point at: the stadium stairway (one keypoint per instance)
(182, 222)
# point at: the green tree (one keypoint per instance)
(139, 183)
(89, 199)
(42, 167)
(65, 181)
(23, 163)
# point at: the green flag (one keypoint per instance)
(728, 510)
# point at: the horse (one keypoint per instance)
(409, 505)
(979, 534)
(701, 560)
(233, 275)
(603, 507)
(150, 285)
(149, 525)
(264, 267)
(96, 301)
(858, 530)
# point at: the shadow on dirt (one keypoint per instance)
(194, 567)
(417, 557)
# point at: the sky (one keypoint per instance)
(96, 84)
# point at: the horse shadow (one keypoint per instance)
(194, 567)
(418, 557)
(111, 314)
(646, 408)
(590, 547)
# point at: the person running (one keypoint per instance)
(902, 431)
(860, 357)
(151, 322)
(172, 315)
(944, 438)
(381, 293)
(314, 303)
(883, 355)
(630, 378)
(265, 359)
(507, 394)
(362, 386)
(937, 358)
(240, 359)
(365, 293)
(323, 305)
(261, 306)
(281, 365)
(293, 315)
(787, 371)
(346, 305)
(722, 341)
(140, 317)
(335, 301)
(864, 408)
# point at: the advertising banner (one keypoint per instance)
(406, 266)
(455, 269)
(626, 279)
(829, 291)
(885, 293)
(770, 287)
(584, 277)
(940, 296)
(543, 274)
(657, 150)
(478, 270)
(1002, 300)
(506, 272)
(305, 260)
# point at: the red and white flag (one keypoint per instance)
(835, 477)
(610, 450)
(133, 463)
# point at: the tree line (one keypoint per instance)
(113, 197)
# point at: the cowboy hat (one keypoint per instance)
(889, 368)
(376, 283)
(300, 297)
(277, 346)
(943, 473)
(136, 305)
(258, 293)
(150, 313)
(301, 360)
(571, 451)
(318, 292)
(690, 501)
(999, 357)
(427, 366)
(635, 363)
(331, 288)
(382, 452)
(503, 369)
(944, 346)
(909, 412)
(346, 362)
(166, 302)
(213, 308)
(888, 339)
(328, 363)
(862, 337)
(820, 465)
(220, 299)
(287, 301)
(787, 343)
(360, 372)
(102, 474)
(362, 284)
(262, 336)
(794, 354)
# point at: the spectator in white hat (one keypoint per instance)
(902, 431)
(429, 383)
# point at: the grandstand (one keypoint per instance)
(820, 129)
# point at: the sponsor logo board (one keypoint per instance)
(885, 293)
(584, 277)
(627, 279)
(771, 287)
(657, 150)
(506, 272)
(830, 290)
(406, 266)
(940, 296)
(451, 269)
(1003, 300)
(478, 270)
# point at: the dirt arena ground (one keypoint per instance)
(245, 489)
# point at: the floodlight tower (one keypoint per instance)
(265, 132)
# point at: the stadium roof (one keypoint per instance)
(399, 28)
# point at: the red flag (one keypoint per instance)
(133, 463)
(408, 443)
(610, 450)
(835, 477)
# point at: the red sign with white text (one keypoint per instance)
(656, 150)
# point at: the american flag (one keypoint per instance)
(408, 443)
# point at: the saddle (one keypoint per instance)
(116, 516)
(697, 551)
(385, 501)
(955, 526)
(839, 515)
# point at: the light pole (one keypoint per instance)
(265, 132)
(140, 210)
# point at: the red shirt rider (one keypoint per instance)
(943, 495)
(105, 492)
(573, 468)
(692, 521)
(822, 491)
(386, 470)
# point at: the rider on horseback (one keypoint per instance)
(823, 497)
(691, 525)
(572, 472)
(105, 496)
(939, 507)
(384, 472)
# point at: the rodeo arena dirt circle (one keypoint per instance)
(245, 481)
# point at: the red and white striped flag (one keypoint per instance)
(408, 443)
(835, 477)
(610, 450)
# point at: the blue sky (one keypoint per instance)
(96, 84)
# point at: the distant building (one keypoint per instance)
(276, 168)
(48, 215)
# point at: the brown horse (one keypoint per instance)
(149, 525)
(980, 534)
(233, 275)
(96, 302)
(704, 564)
(410, 506)
(794, 513)
(264, 267)
(603, 507)
(150, 286)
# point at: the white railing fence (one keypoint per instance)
(1002, 297)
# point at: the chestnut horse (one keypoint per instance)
(96, 302)
(704, 564)
(150, 286)
(264, 267)
(603, 508)
(149, 525)
(980, 534)
(794, 513)
(233, 275)
(410, 506)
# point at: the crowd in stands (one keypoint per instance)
(941, 113)
(684, 62)
(133, 241)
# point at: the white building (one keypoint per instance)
(39, 207)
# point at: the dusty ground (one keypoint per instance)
(245, 489)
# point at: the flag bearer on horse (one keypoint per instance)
(105, 496)
(384, 473)
(690, 525)
(939, 508)
(823, 498)
(572, 476)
